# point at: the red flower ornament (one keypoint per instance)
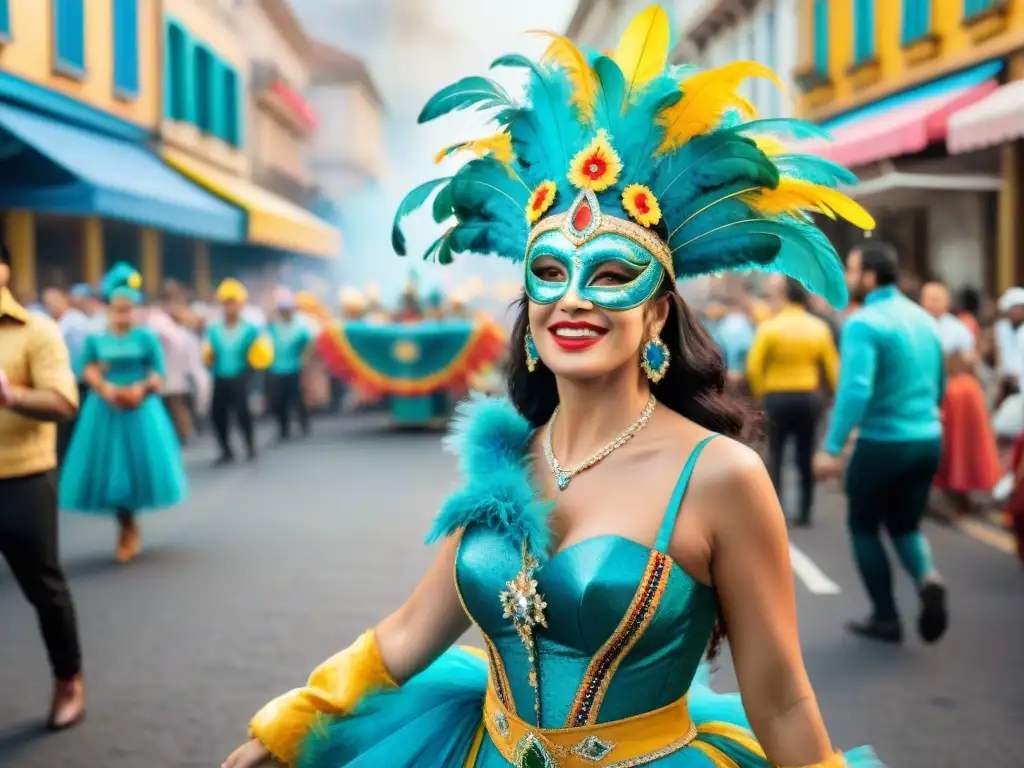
(597, 166)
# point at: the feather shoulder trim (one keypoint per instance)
(491, 440)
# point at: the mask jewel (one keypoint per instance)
(563, 476)
(531, 352)
(654, 359)
(584, 217)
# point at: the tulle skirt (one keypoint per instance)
(970, 457)
(122, 459)
(435, 721)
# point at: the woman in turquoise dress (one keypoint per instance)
(610, 529)
(125, 457)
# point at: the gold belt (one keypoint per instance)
(618, 744)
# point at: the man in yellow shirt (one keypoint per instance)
(784, 372)
(37, 389)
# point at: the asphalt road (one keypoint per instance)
(272, 567)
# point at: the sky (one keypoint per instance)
(413, 48)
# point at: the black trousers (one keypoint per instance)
(231, 397)
(793, 415)
(286, 397)
(66, 429)
(28, 542)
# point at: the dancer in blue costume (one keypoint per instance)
(609, 528)
(124, 457)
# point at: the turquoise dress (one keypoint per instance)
(118, 458)
(626, 633)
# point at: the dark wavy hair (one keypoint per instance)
(693, 386)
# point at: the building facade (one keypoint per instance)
(766, 31)
(80, 100)
(925, 101)
(282, 122)
(234, 121)
(349, 157)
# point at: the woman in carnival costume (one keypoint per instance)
(597, 592)
(125, 457)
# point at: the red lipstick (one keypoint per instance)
(576, 336)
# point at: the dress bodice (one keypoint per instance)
(126, 358)
(627, 627)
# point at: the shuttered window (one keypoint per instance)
(974, 7)
(202, 82)
(821, 36)
(5, 19)
(177, 83)
(69, 37)
(126, 47)
(863, 30)
(231, 108)
(917, 19)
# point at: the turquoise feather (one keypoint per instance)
(638, 135)
(442, 208)
(816, 170)
(611, 98)
(410, 203)
(439, 250)
(710, 229)
(545, 133)
(802, 252)
(491, 440)
(468, 93)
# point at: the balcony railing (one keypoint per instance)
(276, 92)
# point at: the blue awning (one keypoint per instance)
(56, 167)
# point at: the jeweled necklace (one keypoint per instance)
(563, 476)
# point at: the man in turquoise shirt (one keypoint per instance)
(234, 347)
(890, 389)
(292, 337)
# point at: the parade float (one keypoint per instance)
(420, 357)
(413, 364)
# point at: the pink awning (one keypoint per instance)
(996, 119)
(905, 129)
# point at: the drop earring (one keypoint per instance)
(531, 352)
(654, 359)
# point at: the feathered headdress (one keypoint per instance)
(121, 281)
(671, 157)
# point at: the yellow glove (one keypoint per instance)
(836, 761)
(208, 355)
(261, 353)
(335, 688)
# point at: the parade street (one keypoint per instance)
(272, 567)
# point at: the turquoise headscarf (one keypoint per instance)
(122, 282)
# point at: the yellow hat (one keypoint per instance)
(232, 290)
(351, 298)
(306, 301)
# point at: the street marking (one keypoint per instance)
(811, 575)
(1000, 540)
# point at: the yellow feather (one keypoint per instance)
(642, 52)
(499, 145)
(771, 146)
(581, 75)
(706, 97)
(794, 196)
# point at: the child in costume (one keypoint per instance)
(596, 600)
(125, 457)
(233, 349)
